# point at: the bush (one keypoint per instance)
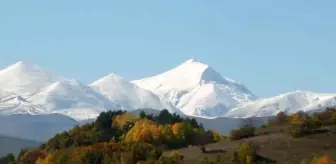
(320, 160)
(246, 130)
(303, 127)
(325, 160)
(217, 136)
(261, 131)
(203, 149)
(297, 130)
(92, 156)
(8, 159)
(280, 119)
(218, 160)
(247, 153)
(31, 156)
(241, 133)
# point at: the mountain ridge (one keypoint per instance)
(128, 95)
(192, 88)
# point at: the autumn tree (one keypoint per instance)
(299, 118)
(104, 120)
(246, 130)
(47, 160)
(246, 153)
(31, 156)
(167, 132)
(280, 119)
(322, 160)
(145, 131)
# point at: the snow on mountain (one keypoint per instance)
(197, 89)
(72, 98)
(14, 104)
(193, 87)
(128, 95)
(4, 94)
(24, 78)
(289, 102)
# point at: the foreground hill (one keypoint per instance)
(278, 147)
(122, 138)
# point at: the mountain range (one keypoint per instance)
(192, 88)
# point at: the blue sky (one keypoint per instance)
(270, 46)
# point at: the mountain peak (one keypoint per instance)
(22, 66)
(113, 75)
(192, 60)
(109, 79)
(24, 77)
(194, 64)
(194, 85)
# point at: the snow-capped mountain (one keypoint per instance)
(192, 88)
(288, 102)
(197, 89)
(128, 95)
(29, 89)
(24, 78)
(72, 98)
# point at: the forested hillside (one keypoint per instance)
(119, 137)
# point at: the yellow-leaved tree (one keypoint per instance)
(179, 130)
(325, 160)
(145, 131)
(298, 118)
(46, 160)
(123, 119)
(167, 132)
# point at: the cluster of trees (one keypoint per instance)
(120, 137)
(297, 125)
(246, 130)
(103, 153)
(245, 153)
(8, 159)
(300, 124)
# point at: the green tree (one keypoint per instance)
(92, 157)
(8, 159)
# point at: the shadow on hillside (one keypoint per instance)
(211, 151)
(214, 151)
(318, 131)
(262, 159)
